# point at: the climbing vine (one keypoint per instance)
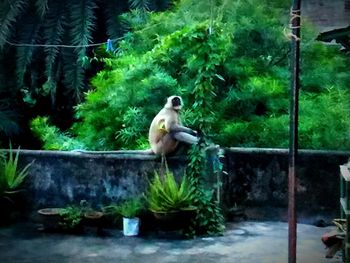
(209, 219)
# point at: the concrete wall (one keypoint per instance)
(327, 14)
(61, 178)
(256, 179)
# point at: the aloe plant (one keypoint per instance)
(165, 194)
(11, 178)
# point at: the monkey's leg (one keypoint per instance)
(185, 137)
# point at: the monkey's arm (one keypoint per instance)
(185, 137)
(175, 128)
(183, 134)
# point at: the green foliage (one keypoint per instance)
(52, 137)
(166, 195)
(141, 4)
(11, 177)
(229, 62)
(132, 128)
(129, 208)
(71, 217)
(3, 183)
(209, 219)
(48, 77)
(8, 16)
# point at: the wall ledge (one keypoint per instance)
(284, 151)
(121, 155)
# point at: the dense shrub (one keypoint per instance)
(229, 61)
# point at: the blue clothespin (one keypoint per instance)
(109, 47)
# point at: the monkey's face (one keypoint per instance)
(174, 102)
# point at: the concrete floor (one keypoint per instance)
(246, 242)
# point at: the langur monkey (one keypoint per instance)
(166, 130)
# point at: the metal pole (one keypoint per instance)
(293, 141)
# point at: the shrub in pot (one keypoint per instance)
(71, 218)
(129, 210)
(170, 202)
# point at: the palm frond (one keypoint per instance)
(54, 30)
(29, 33)
(139, 4)
(82, 24)
(9, 12)
(82, 21)
(73, 74)
(8, 122)
(41, 7)
(111, 11)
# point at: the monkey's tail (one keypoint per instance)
(163, 166)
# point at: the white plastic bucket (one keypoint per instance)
(131, 226)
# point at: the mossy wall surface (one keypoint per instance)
(56, 178)
(258, 178)
(255, 179)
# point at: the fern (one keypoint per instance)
(52, 138)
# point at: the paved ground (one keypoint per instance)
(246, 242)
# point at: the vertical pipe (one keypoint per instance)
(293, 140)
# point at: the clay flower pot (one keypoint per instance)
(50, 218)
(93, 218)
(177, 219)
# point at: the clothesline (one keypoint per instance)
(108, 43)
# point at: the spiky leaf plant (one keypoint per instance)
(166, 195)
(14, 177)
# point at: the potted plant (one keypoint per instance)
(70, 218)
(50, 218)
(11, 178)
(11, 182)
(170, 202)
(130, 211)
(57, 219)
